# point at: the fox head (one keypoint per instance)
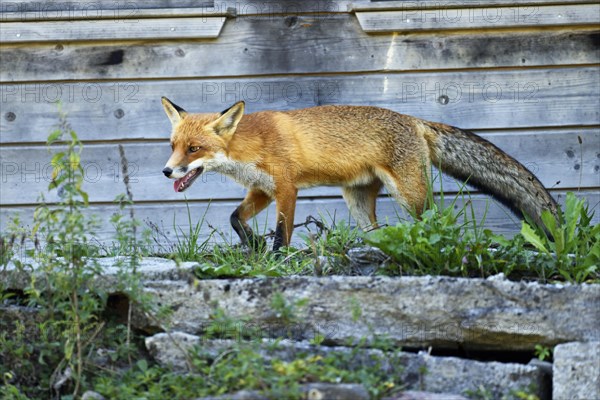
(198, 141)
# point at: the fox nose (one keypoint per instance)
(167, 171)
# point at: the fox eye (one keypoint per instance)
(194, 149)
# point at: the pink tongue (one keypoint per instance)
(176, 184)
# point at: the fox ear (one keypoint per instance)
(229, 119)
(174, 112)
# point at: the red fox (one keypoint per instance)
(360, 148)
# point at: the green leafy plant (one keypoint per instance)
(8, 243)
(570, 241)
(444, 240)
(542, 352)
(452, 242)
(8, 391)
(437, 243)
(69, 300)
(53, 355)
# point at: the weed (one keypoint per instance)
(189, 247)
(229, 261)
(572, 243)
(331, 242)
(435, 244)
(286, 312)
(53, 355)
(481, 393)
(543, 352)
(69, 301)
(8, 391)
(448, 242)
(247, 365)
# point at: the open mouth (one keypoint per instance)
(182, 184)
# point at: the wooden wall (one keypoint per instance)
(524, 74)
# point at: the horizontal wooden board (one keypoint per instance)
(240, 7)
(471, 100)
(556, 157)
(251, 7)
(479, 18)
(166, 216)
(294, 45)
(284, 7)
(134, 29)
(117, 15)
(34, 10)
(369, 5)
(50, 7)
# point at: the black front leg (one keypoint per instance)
(247, 236)
(279, 241)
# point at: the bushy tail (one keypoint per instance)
(466, 156)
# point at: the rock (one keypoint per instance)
(418, 395)
(492, 314)
(311, 391)
(170, 349)
(367, 256)
(149, 268)
(544, 366)
(241, 395)
(335, 391)
(417, 371)
(411, 311)
(366, 260)
(458, 376)
(576, 374)
(152, 268)
(89, 395)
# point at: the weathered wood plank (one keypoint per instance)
(15, 14)
(479, 18)
(367, 5)
(152, 28)
(217, 214)
(284, 7)
(27, 10)
(241, 7)
(305, 44)
(556, 157)
(272, 7)
(91, 6)
(471, 100)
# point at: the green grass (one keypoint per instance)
(189, 246)
(234, 261)
(445, 240)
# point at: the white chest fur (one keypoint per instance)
(245, 173)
